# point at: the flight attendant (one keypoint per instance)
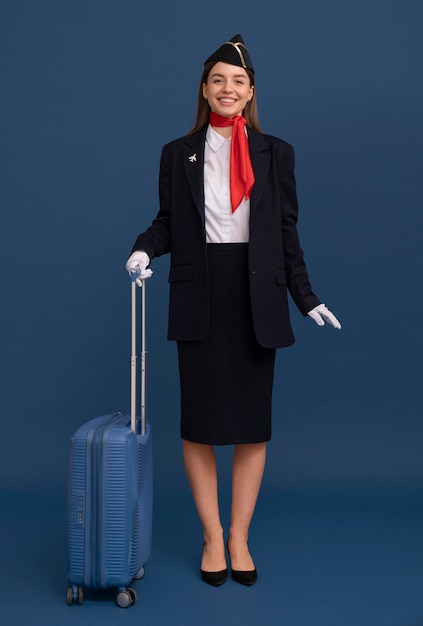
(228, 217)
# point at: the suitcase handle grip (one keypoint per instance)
(134, 355)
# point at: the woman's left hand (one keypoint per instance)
(321, 314)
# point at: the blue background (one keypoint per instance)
(90, 93)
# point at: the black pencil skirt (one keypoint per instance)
(227, 379)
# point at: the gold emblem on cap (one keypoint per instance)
(241, 56)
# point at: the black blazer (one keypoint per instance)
(276, 260)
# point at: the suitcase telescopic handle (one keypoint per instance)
(134, 276)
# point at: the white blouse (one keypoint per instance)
(222, 226)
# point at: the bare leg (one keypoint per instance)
(247, 473)
(200, 466)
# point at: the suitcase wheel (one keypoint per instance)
(75, 593)
(140, 574)
(126, 598)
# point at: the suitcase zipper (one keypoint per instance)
(94, 541)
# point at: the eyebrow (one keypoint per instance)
(223, 76)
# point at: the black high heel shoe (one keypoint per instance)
(214, 578)
(243, 577)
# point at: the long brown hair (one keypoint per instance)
(203, 109)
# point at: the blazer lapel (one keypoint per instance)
(194, 167)
(260, 160)
(193, 158)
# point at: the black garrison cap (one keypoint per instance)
(233, 52)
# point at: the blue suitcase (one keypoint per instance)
(110, 494)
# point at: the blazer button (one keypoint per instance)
(253, 270)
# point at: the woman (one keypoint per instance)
(228, 214)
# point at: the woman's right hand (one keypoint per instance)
(138, 262)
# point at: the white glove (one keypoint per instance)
(138, 262)
(320, 314)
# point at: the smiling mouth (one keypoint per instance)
(227, 100)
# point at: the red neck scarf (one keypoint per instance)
(241, 172)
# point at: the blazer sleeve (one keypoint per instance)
(296, 271)
(155, 241)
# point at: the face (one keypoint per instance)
(227, 89)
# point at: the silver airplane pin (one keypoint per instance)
(192, 158)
